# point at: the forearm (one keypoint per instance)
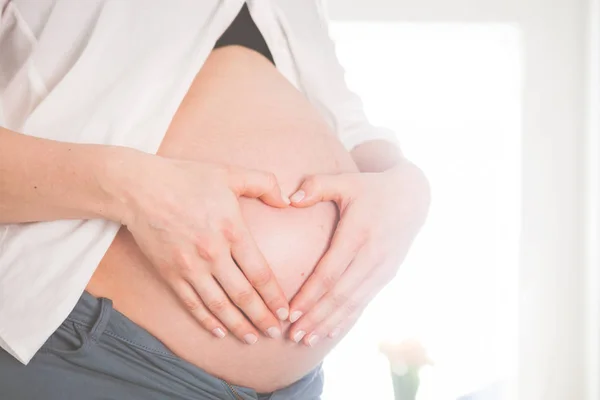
(376, 156)
(45, 180)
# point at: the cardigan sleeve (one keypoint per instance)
(325, 84)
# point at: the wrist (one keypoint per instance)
(114, 178)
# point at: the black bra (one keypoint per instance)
(244, 32)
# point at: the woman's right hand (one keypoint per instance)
(185, 217)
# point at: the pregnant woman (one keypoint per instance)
(197, 207)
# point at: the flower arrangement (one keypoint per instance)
(406, 359)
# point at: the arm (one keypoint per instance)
(382, 209)
(376, 156)
(189, 241)
(45, 180)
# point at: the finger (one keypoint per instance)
(221, 307)
(336, 326)
(190, 300)
(345, 245)
(342, 319)
(251, 261)
(318, 188)
(257, 184)
(244, 296)
(345, 294)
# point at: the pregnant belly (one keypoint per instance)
(241, 111)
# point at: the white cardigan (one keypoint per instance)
(114, 72)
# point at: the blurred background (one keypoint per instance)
(497, 100)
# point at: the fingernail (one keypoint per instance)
(218, 332)
(335, 332)
(286, 199)
(298, 336)
(312, 340)
(283, 314)
(250, 338)
(274, 332)
(295, 316)
(298, 196)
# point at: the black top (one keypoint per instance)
(244, 32)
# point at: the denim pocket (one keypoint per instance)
(70, 338)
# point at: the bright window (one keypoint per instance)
(452, 92)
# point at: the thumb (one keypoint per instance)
(258, 184)
(318, 188)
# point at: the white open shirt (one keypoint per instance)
(114, 72)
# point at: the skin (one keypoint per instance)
(381, 208)
(183, 215)
(381, 211)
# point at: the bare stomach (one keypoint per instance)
(239, 110)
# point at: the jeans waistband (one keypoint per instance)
(99, 316)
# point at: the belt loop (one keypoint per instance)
(103, 317)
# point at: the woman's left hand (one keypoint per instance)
(380, 215)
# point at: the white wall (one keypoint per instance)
(426, 10)
(593, 199)
(552, 350)
(558, 321)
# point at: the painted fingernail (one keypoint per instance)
(274, 332)
(295, 316)
(250, 338)
(218, 332)
(335, 332)
(312, 340)
(298, 336)
(298, 196)
(283, 314)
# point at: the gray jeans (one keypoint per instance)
(98, 353)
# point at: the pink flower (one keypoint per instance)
(405, 355)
